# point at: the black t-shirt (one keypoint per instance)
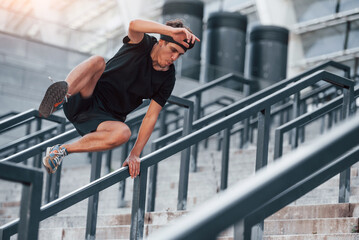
(129, 77)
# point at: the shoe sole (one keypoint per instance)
(54, 95)
(45, 160)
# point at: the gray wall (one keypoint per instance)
(24, 69)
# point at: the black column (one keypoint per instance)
(268, 55)
(226, 45)
(191, 13)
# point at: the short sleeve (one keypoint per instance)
(145, 43)
(165, 91)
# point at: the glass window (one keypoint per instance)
(324, 41)
(353, 39)
(346, 5)
(308, 9)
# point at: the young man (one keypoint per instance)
(96, 97)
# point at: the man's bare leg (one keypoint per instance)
(83, 78)
(109, 134)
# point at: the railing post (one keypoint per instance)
(48, 187)
(37, 158)
(152, 186)
(251, 130)
(93, 200)
(52, 187)
(238, 229)
(185, 159)
(244, 137)
(56, 188)
(278, 144)
(163, 126)
(330, 119)
(225, 157)
(28, 131)
(138, 205)
(30, 209)
(109, 161)
(322, 125)
(262, 155)
(197, 115)
(344, 177)
(281, 116)
(302, 129)
(296, 113)
(4, 235)
(122, 185)
(263, 138)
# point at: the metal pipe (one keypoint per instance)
(92, 207)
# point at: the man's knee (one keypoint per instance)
(98, 62)
(126, 134)
(119, 137)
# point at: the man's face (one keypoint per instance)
(169, 53)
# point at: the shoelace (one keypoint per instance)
(52, 80)
(59, 155)
(67, 96)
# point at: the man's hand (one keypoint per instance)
(181, 34)
(133, 163)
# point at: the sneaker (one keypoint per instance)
(54, 98)
(53, 158)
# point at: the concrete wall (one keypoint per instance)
(25, 66)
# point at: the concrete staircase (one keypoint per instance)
(315, 222)
(314, 216)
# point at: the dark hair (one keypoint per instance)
(178, 23)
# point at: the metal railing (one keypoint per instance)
(96, 161)
(262, 107)
(6, 115)
(305, 119)
(187, 128)
(284, 109)
(243, 103)
(15, 146)
(31, 180)
(202, 122)
(26, 118)
(272, 188)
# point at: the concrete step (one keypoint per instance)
(293, 222)
(116, 232)
(202, 184)
(342, 236)
(108, 226)
(155, 218)
(314, 222)
(339, 210)
(109, 232)
(310, 226)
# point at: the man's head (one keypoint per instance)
(178, 24)
(170, 50)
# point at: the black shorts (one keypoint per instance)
(87, 114)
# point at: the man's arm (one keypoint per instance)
(137, 28)
(146, 129)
